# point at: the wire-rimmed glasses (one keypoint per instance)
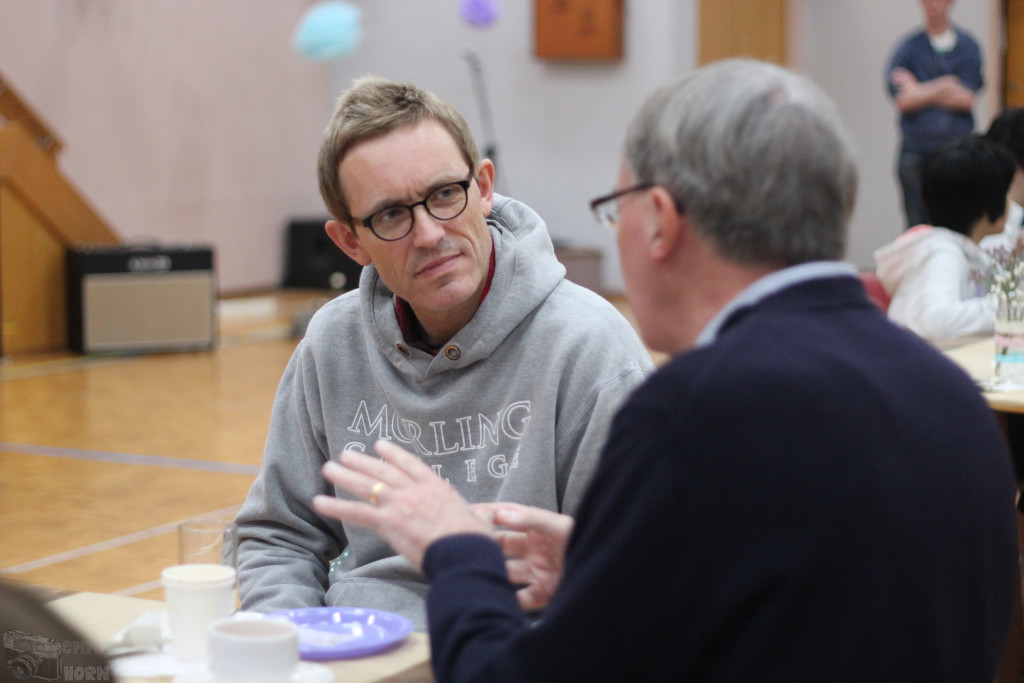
(606, 207)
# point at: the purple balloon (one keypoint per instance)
(481, 13)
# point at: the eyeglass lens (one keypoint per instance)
(444, 203)
(608, 214)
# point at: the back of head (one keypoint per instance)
(965, 182)
(1008, 130)
(756, 157)
(373, 107)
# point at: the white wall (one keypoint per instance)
(845, 48)
(558, 125)
(184, 120)
(194, 120)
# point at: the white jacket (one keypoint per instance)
(926, 271)
(1011, 229)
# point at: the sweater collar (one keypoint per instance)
(770, 284)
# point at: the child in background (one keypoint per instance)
(1008, 130)
(926, 270)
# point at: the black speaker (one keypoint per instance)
(134, 299)
(314, 261)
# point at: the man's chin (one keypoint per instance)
(444, 296)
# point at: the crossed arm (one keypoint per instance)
(411, 507)
(945, 91)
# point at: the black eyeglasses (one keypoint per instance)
(606, 207)
(443, 203)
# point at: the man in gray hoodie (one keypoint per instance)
(464, 343)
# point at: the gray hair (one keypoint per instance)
(755, 155)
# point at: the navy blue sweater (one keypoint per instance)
(817, 495)
(930, 128)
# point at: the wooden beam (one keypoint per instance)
(41, 215)
(33, 313)
(13, 107)
(32, 174)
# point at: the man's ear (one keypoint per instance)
(669, 225)
(343, 235)
(485, 180)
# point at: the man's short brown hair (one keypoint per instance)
(373, 107)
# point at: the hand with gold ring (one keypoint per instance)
(418, 508)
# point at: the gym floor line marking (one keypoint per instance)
(111, 543)
(131, 459)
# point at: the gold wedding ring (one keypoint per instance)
(377, 488)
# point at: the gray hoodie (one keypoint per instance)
(515, 408)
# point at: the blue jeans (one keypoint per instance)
(910, 168)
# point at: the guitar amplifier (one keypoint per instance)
(316, 262)
(141, 299)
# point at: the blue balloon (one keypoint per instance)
(328, 30)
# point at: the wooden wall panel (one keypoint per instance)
(1013, 87)
(578, 29)
(41, 213)
(32, 281)
(742, 28)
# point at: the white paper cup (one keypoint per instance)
(197, 594)
(252, 650)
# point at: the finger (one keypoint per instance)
(514, 543)
(354, 482)
(347, 510)
(403, 460)
(502, 505)
(372, 467)
(531, 598)
(527, 518)
(521, 517)
(489, 511)
(484, 511)
(518, 571)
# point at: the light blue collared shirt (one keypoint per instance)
(769, 284)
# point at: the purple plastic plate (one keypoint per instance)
(345, 632)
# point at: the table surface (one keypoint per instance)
(977, 359)
(100, 617)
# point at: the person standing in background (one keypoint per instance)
(933, 77)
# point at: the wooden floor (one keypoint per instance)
(101, 457)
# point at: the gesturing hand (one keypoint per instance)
(534, 540)
(409, 505)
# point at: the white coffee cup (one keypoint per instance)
(252, 650)
(197, 594)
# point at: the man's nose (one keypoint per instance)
(426, 230)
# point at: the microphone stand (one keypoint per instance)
(490, 142)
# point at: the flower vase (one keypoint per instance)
(1009, 360)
